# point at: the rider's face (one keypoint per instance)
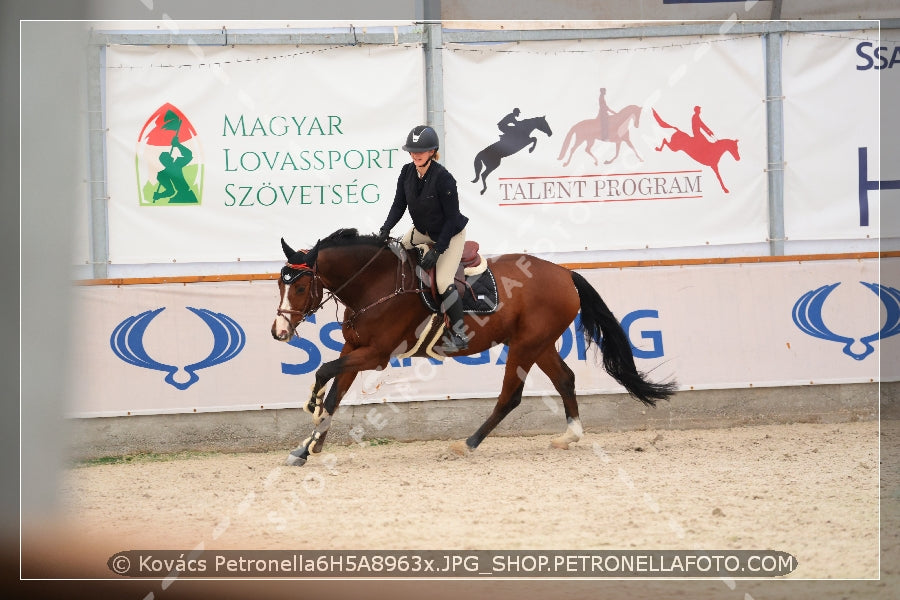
(420, 158)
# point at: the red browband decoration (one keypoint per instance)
(300, 267)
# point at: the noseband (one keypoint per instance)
(314, 301)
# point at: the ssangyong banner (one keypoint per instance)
(207, 347)
(832, 164)
(216, 152)
(609, 144)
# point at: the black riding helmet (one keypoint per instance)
(421, 139)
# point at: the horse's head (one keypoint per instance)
(541, 123)
(732, 147)
(299, 293)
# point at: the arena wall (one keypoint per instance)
(722, 277)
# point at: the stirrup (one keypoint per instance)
(453, 342)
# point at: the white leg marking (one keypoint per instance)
(574, 432)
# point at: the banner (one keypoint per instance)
(216, 152)
(609, 144)
(207, 347)
(831, 135)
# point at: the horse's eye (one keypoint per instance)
(300, 289)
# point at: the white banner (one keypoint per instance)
(207, 347)
(831, 135)
(213, 152)
(617, 143)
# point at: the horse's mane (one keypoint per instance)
(340, 238)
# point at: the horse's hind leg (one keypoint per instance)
(572, 151)
(488, 169)
(563, 379)
(590, 145)
(510, 397)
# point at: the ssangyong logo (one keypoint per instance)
(807, 315)
(127, 342)
(169, 160)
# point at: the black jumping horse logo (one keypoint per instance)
(510, 142)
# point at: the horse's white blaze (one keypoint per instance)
(282, 324)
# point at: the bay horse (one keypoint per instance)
(699, 148)
(509, 143)
(589, 131)
(376, 282)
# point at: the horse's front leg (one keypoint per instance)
(322, 420)
(715, 169)
(618, 145)
(627, 140)
(533, 141)
(324, 374)
(343, 370)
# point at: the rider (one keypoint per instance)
(603, 114)
(699, 128)
(509, 122)
(428, 190)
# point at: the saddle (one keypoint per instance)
(476, 286)
(474, 280)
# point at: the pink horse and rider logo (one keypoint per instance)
(608, 126)
(699, 146)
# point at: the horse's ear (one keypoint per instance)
(288, 251)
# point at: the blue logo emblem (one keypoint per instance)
(127, 342)
(807, 315)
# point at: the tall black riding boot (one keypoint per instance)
(455, 339)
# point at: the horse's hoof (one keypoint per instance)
(460, 448)
(561, 444)
(293, 460)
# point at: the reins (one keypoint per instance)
(317, 292)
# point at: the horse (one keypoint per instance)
(699, 148)
(591, 130)
(509, 143)
(376, 282)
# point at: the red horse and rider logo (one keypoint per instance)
(702, 146)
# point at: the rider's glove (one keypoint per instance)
(429, 260)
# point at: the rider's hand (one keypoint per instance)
(383, 234)
(429, 260)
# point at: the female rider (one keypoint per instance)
(428, 190)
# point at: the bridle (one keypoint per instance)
(316, 298)
(290, 272)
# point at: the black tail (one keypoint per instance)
(602, 327)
